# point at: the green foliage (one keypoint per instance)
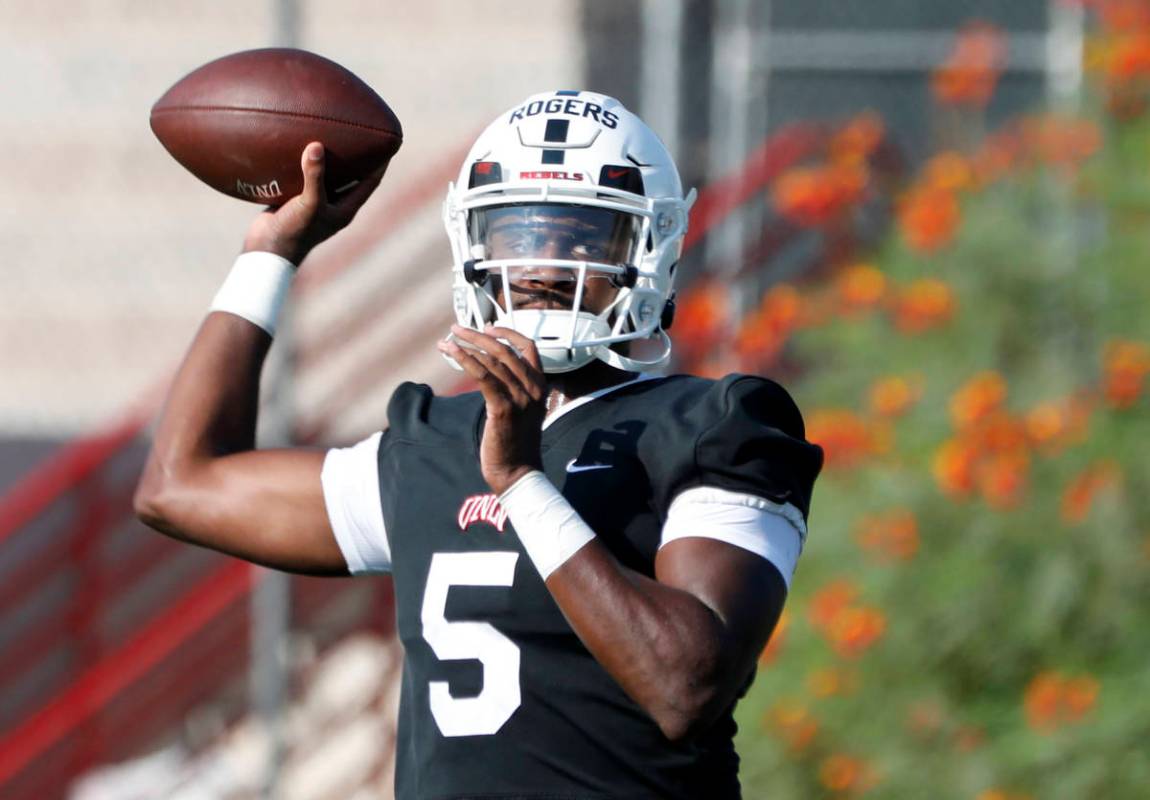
(1048, 267)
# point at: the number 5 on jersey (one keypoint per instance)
(485, 713)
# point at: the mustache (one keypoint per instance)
(542, 297)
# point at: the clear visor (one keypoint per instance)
(549, 232)
(555, 256)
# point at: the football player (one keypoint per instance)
(588, 558)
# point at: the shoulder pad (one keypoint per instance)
(416, 413)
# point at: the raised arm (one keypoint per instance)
(204, 482)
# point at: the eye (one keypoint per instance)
(520, 245)
(593, 252)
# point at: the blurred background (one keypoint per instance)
(926, 219)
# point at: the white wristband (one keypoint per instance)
(550, 529)
(256, 289)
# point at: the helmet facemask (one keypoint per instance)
(558, 274)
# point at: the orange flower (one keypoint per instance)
(775, 643)
(923, 304)
(830, 681)
(1002, 478)
(815, 196)
(1063, 141)
(842, 773)
(1052, 425)
(855, 629)
(953, 467)
(1079, 696)
(856, 141)
(948, 171)
(781, 306)
(1125, 365)
(1124, 16)
(846, 438)
(1129, 59)
(763, 335)
(957, 86)
(991, 453)
(1078, 496)
(893, 396)
(860, 287)
(831, 600)
(999, 432)
(701, 316)
(764, 332)
(970, 73)
(1051, 700)
(892, 536)
(976, 399)
(1046, 423)
(794, 724)
(928, 218)
(1042, 700)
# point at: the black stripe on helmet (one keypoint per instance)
(556, 130)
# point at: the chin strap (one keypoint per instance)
(628, 364)
(548, 330)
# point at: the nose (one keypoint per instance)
(543, 276)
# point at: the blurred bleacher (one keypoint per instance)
(118, 646)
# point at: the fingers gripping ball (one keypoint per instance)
(239, 124)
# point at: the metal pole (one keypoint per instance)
(287, 23)
(1064, 46)
(270, 608)
(660, 81)
(730, 98)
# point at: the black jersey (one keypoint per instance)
(500, 699)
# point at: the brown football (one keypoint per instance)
(240, 123)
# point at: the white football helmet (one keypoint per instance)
(569, 187)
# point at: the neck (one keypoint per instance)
(565, 386)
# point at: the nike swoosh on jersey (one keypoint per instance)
(572, 467)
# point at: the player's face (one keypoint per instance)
(554, 233)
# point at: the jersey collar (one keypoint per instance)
(587, 398)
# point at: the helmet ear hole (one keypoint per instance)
(667, 318)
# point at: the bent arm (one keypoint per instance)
(204, 482)
(683, 645)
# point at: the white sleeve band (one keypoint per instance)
(350, 480)
(549, 528)
(775, 531)
(256, 289)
